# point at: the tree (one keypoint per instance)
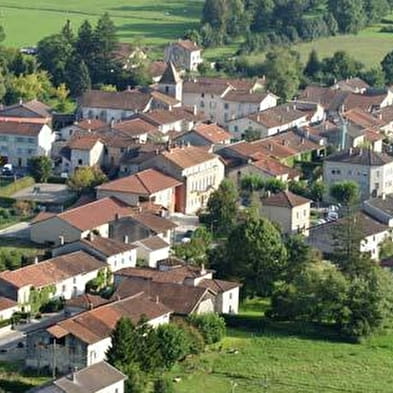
(386, 249)
(252, 182)
(313, 66)
(53, 53)
(349, 14)
(283, 72)
(375, 77)
(274, 185)
(215, 13)
(211, 326)
(67, 32)
(222, 208)
(317, 191)
(123, 339)
(341, 66)
(255, 254)
(77, 76)
(40, 168)
(345, 192)
(105, 33)
(85, 179)
(387, 67)
(136, 380)
(173, 344)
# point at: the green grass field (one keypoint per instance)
(153, 21)
(284, 359)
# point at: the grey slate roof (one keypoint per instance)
(360, 156)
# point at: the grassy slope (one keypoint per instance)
(155, 21)
(283, 360)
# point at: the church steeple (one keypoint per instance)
(171, 82)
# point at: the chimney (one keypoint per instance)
(203, 270)
(383, 196)
(20, 101)
(157, 299)
(91, 236)
(73, 376)
(270, 147)
(61, 240)
(90, 305)
(117, 216)
(302, 141)
(380, 116)
(88, 121)
(128, 88)
(268, 194)
(350, 151)
(288, 108)
(194, 110)
(126, 239)
(35, 260)
(112, 123)
(188, 144)
(258, 118)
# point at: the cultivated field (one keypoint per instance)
(284, 359)
(153, 21)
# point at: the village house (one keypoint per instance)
(270, 121)
(201, 173)
(223, 100)
(117, 255)
(156, 69)
(380, 208)
(372, 171)
(175, 271)
(182, 299)
(20, 141)
(7, 308)
(75, 224)
(149, 185)
(184, 54)
(290, 211)
(373, 233)
(86, 150)
(151, 250)
(113, 106)
(211, 136)
(99, 378)
(141, 225)
(170, 83)
(353, 85)
(385, 116)
(86, 125)
(83, 340)
(33, 111)
(64, 276)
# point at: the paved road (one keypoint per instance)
(184, 224)
(21, 230)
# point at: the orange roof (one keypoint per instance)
(362, 118)
(90, 124)
(186, 157)
(274, 167)
(83, 142)
(146, 182)
(188, 45)
(134, 127)
(52, 271)
(213, 133)
(95, 325)
(285, 199)
(94, 214)
(6, 303)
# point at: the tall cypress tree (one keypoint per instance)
(77, 76)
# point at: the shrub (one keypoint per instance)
(173, 344)
(53, 305)
(211, 326)
(196, 343)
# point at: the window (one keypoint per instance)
(167, 89)
(31, 140)
(74, 280)
(203, 95)
(19, 139)
(202, 104)
(63, 288)
(80, 162)
(226, 106)
(230, 295)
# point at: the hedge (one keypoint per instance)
(16, 186)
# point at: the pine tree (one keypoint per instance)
(67, 32)
(105, 33)
(313, 65)
(122, 343)
(77, 76)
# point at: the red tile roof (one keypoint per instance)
(212, 133)
(188, 45)
(90, 124)
(188, 156)
(53, 270)
(147, 182)
(6, 303)
(106, 246)
(96, 213)
(285, 199)
(83, 142)
(20, 128)
(97, 324)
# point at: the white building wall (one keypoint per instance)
(228, 302)
(117, 387)
(8, 312)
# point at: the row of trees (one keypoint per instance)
(86, 58)
(143, 353)
(271, 22)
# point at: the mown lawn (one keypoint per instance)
(289, 359)
(153, 21)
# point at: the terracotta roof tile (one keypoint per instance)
(147, 182)
(53, 270)
(96, 213)
(133, 100)
(83, 142)
(153, 243)
(360, 156)
(86, 301)
(186, 157)
(188, 45)
(212, 133)
(20, 128)
(107, 246)
(285, 199)
(34, 106)
(218, 286)
(95, 325)
(90, 124)
(6, 303)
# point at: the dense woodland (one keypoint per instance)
(270, 22)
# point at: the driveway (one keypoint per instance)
(21, 230)
(45, 193)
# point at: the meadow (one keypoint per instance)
(281, 358)
(152, 22)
